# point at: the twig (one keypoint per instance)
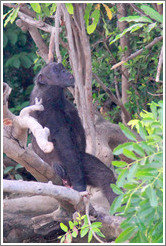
(87, 203)
(159, 65)
(156, 40)
(116, 88)
(155, 95)
(138, 10)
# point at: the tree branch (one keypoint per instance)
(156, 40)
(57, 32)
(159, 65)
(44, 189)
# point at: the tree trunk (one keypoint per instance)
(124, 43)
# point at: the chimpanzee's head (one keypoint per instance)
(55, 74)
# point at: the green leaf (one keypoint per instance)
(96, 224)
(129, 154)
(90, 235)
(136, 19)
(53, 8)
(12, 36)
(8, 169)
(99, 233)
(126, 234)
(84, 231)
(18, 176)
(132, 172)
(45, 10)
(129, 29)
(14, 15)
(4, 16)
(25, 61)
(148, 149)
(36, 7)
(150, 27)
(153, 107)
(63, 227)
(70, 8)
(156, 125)
(22, 38)
(138, 149)
(62, 239)
(146, 212)
(130, 186)
(18, 166)
(130, 135)
(152, 13)
(142, 131)
(16, 63)
(148, 120)
(151, 193)
(119, 149)
(5, 40)
(119, 163)
(74, 234)
(87, 13)
(116, 189)
(116, 204)
(95, 16)
(71, 225)
(121, 178)
(145, 173)
(8, 19)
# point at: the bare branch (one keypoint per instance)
(23, 8)
(57, 31)
(37, 188)
(155, 95)
(51, 46)
(138, 10)
(24, 121)
(159, 65)
(156, 40)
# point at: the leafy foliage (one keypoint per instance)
(80, 225)
(12, 171)
(140, 183)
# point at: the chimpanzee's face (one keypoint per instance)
(55, 74)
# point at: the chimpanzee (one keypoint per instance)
(68, 158)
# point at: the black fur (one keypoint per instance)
(66, 132)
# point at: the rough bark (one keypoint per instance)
(29, 217)
(124, 42)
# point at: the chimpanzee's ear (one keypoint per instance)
(41, 79)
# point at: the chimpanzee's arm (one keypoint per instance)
(70, 157)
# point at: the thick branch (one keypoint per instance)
(139, 52)
(57, 32)
(51, 46)
(37, 188)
